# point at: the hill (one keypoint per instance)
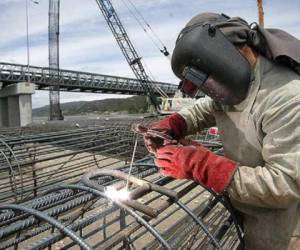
(131, 105)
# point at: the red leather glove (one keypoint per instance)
(196, 163)
(173, 126)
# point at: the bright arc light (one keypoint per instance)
(117, 195)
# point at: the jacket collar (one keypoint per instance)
(262, 66)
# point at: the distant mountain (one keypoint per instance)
(131, 105)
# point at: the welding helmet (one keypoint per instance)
(205, 60)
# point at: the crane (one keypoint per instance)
(127, 48)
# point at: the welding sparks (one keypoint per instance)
(117, 195)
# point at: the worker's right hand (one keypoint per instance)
(173, 126)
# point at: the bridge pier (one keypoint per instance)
(16, 104)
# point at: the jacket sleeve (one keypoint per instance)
(200, 115)
(277, 183)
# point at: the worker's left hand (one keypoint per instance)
(197, 163)
(172, 127)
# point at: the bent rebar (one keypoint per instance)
(51, 221)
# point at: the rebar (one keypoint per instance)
(65, 174)
(51, 221)
(131, 228)
(31, 163)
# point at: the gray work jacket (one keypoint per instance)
(263, 135)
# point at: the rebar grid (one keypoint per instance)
(163, 212)
(189, 217)
(31, 163)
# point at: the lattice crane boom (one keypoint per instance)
(127, 48)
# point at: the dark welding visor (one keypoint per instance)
(202, 51)
(192, 81)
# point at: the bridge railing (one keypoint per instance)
(74, 80)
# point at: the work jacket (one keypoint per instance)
(262, 134)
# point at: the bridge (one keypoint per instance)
(18, 82)
(76, 81)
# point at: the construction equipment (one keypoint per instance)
(174, 104)
(127, 48)
(134, 60)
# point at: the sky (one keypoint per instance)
(86, 43)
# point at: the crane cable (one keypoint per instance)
(140, 20)
(150, 28)
(152, 78)
(164, 49)
(145, 21)
(141, 25)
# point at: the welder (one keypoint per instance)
(250, 76)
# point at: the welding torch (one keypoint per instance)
(158, 138)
